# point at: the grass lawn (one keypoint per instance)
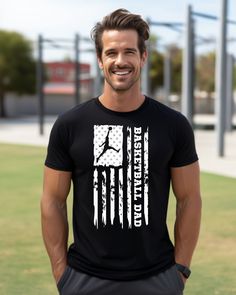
(25, 266)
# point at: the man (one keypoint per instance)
(121, 150)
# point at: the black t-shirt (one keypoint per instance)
(120, 163)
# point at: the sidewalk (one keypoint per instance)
(26, 131)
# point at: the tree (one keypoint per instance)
(157, 66)
(156, 70)
(156, 62)
(176, 68)
(206, 72)
(17, 66)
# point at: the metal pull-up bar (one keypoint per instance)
(212, 17)
(221, 62)
(58, 43)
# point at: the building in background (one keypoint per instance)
(60, 78)
(59, 90)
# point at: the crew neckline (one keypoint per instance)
(140, 108)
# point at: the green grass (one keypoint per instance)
(214, 262)
(25, 266)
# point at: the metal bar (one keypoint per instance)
(40, 92)
(59, 47)
(77, 70)
(167, 75)
(220, 79)
(145, 78)
(58, 40)
(203, 40)
(187, 83)
(193, 66)
(165, 24)
(212, 17)
(204, 15)
(145, 73)
(97, 89)
(87, 50)
(229, 92)
(172, 26)
(175, 29)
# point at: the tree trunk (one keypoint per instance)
(2, 105)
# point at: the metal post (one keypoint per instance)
(40, 82)
(145, 74)
(193, 63)
(187, 82)
(220, 80)
(229, 92)
(167, 75)
(145, 79)
(77, 70)
(98, 79)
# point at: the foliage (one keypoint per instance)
(157, 67)
(176, 68)
(17, 66)
(156, 70)
(205, 70)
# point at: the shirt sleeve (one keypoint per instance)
(58, 156)
(185, 150)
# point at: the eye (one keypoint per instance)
(130, 52)
(110, 53)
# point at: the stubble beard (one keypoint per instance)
(122, 88)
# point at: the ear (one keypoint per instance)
(100, 63)
(144, 58)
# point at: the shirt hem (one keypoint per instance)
(55, 167)
(121, 276)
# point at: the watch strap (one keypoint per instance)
(184, 270)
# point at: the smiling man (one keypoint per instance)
(121, 150)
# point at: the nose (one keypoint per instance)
(120, 59)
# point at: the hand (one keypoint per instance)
(183, 278)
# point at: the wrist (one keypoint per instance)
(58, 270)
(184, 270)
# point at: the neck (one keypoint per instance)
(122, 101)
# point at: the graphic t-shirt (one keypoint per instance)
(120, 164)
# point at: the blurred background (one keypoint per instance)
(48, 65)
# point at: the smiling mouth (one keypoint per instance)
(121, 72)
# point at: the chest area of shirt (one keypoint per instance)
(121, 145)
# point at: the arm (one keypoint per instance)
(54, 218)
(186, 187)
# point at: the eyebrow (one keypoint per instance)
(131, 49)
(114, 50)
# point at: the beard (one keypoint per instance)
(122, 85)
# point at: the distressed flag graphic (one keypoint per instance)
(120, 177)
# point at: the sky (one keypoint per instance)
(64, 18)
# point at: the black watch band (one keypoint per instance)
(184, 270)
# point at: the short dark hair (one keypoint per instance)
(121, 19)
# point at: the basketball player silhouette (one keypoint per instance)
(106, 145)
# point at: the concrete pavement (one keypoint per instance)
(26, 131)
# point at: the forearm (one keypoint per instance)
(187, 226)
(55, 233)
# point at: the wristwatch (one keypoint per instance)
(184, 270)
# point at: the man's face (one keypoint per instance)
(121, 61)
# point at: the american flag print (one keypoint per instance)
(120, 176)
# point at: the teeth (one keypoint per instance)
(121, 73)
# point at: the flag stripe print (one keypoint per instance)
(120, 177)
